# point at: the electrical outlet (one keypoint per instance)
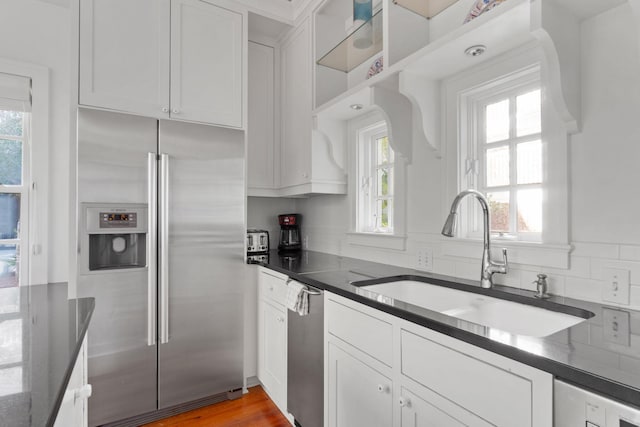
(424, 259)
(616, 325)
(615, 286)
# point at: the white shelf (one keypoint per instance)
(415, 79)
(500, 30)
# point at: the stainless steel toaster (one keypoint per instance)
(257, 241)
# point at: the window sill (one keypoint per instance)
(378, 240)
(528, 253)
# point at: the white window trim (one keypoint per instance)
(22, 240)
(472, 103)
(397, 239)
(37, 229)
(554, 249)
(366, 202)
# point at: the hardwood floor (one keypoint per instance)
(254, 409)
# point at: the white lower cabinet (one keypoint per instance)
(274, 345)
(360, 395)
(424, 408)
(272, 336)
(73, 409)
(416, 377)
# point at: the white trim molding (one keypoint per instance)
(526, 253)
(39, 193)
(378, 240)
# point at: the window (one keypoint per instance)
(14, 177)
(504, 136)
(504, 156)
(376, 180)
(510, 152)
(13, 197)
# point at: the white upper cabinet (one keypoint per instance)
(261, 153)
(296, 107)
(180, 59)
(309, 162)
(206, 63)
(124, 55)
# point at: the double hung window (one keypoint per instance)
(376, 171)
(14, 179)
(505, 159)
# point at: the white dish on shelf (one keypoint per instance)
(480, 7)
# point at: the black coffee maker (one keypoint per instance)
(289, 233)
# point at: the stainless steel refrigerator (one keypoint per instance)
(161, 225)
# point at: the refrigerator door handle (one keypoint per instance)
(164, 249)
(152, 248)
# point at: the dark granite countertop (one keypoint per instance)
(41, 333)
(585, 354)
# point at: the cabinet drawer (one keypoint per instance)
(492, 393)
(366, 333)
(273, 288)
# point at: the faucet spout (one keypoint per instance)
(489, 267)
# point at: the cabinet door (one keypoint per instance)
(431, 410)
(207, 45)
(295, 165)
(358, 395)
(272, 352)
(124, 55)
(73, 408)
(260, 129)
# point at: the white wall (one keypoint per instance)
(38, 33)
(262, 213)
(604, 202)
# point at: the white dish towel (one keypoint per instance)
(297, 298)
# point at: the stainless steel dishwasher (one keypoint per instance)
(305, 363)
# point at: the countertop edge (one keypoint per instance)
(593, 382)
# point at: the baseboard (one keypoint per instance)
(160, 414)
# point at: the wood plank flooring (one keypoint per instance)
(254, 409)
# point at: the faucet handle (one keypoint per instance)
(506, 260)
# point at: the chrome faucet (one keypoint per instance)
(488, 266)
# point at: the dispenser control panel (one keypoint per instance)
(118, 220)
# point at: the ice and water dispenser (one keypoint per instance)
(115, 237)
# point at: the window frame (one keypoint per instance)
(510, 91)
(367, 170)
(472, 149)
(554, 249)
(356, 239)
(38, 216)
(22, 239)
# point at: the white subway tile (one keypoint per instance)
(444, 266)
(595, 250)
(556, 284)
(584, 289)
(630, 253)
(467, 270)
(578, 267)
(528, 276)
(598, 264)
(512, 278)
